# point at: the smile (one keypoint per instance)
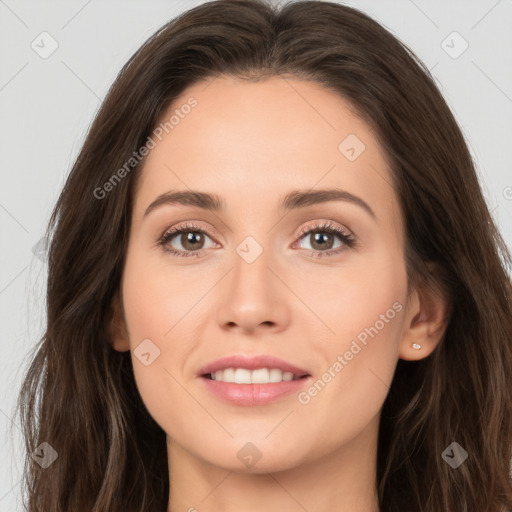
(258, 376)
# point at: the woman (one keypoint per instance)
(339, 336)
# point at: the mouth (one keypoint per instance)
(253, 381)
(257, 376)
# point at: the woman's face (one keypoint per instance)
(262, 276)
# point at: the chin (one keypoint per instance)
(254, 457)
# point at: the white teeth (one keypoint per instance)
(276, 375)
(228, 375)
(259, 376)
(242, 376)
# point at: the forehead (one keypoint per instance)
(253, 142)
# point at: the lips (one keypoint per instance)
(252, 363)
(252, 381)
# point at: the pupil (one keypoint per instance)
(192, 238)
(319, 237)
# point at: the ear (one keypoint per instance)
(426, 319)
(118, 333)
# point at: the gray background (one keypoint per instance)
(47, 104)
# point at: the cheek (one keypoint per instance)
(369, 308)
(156, 313)
(365, 309)
(359, 301)
(157, 299)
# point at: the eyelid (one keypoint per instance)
(187, 225)
(323, 224)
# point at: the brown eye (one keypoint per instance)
(321, 240)
(192, 240)
(185, 240)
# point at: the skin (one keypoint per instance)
(252, 143)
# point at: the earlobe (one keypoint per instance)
(118, 334)
(425, 323)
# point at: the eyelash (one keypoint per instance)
(324, 227)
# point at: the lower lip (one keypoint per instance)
(254, 394)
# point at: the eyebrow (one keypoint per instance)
(291, 201)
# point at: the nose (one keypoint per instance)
(253, 298)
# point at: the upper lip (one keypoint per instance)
(252, 363)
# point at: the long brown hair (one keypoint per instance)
(79, 395)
